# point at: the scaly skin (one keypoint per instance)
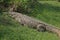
(33, 23)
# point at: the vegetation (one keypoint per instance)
(46, 11)
(48, 0)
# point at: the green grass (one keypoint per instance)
(24, 33)
(53, 3)
(11, 30)
(47, 12)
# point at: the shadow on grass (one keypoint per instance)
(40, 8)
(2, 33)
(51, 8)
